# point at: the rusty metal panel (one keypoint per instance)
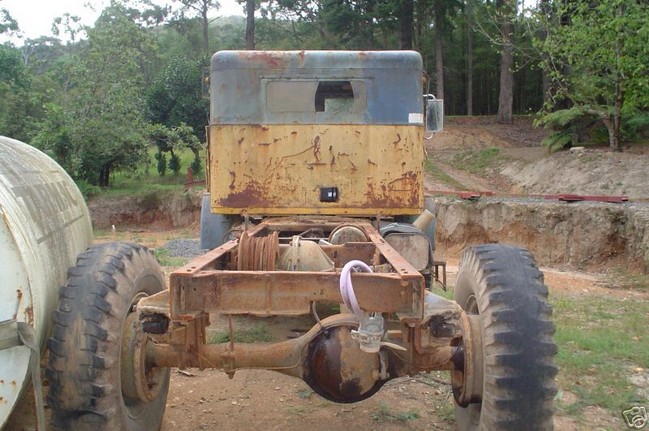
(387, 86)
(288, 293)
(280, 169)
(201, 287)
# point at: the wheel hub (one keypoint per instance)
(467, 371)
(139, 382)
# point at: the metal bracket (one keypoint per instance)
(13, 334)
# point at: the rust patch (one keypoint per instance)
(29, 314)
(408, 180)
(265, 56)
(19, 294)
(252, 196)
(233, 174)
(316, 148)
(389, 196)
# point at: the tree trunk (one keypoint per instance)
(406, 21)
(104, 175)
(469, 57)
(506, 95)
(546, 11)
(439, 52)
(250, 24)
(615, 143)
(614, 128)
(369, 25)
(206, 40)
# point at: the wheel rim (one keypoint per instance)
(467, 372)
(140, 383)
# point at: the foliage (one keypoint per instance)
(566, 126)
(171, 139)
(174, 163)
(162, 163)
(7, 23)
(476, 161)
(98, 126)
(87, 190)
(596, 55)
(15, 84)
(196, 166)
(175, 96)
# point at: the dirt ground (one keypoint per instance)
(525, 166)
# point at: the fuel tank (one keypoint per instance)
(44, 225)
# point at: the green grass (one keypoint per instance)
(600, 340)
(623, 279)
(146, 179)
(384, 413)
(297, 410)
(440, 176)
(304, 393)
(162, 255)
(254, 334)
(477, 161)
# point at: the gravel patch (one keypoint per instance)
(184, 248)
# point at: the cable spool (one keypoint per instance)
(258, 253)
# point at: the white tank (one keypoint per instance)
(44, 225)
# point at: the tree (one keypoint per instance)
(99, 123)
(469, 57)
(250, 24)
(175, 96)
(599, 63)
(7, 23)
(170, 139)
(506, 13)
(406, 23)
(201, 8)
(15, 94)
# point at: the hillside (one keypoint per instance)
(479, 154)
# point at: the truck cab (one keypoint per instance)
(316, 132)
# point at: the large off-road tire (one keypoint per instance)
(89, 373)
(504, 287)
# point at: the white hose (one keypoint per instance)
(346, 288)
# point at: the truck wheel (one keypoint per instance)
(97, 376)
(214, 227)
(509, 385)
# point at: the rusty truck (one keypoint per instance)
(315, 195)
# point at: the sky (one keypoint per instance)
(35, 16)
